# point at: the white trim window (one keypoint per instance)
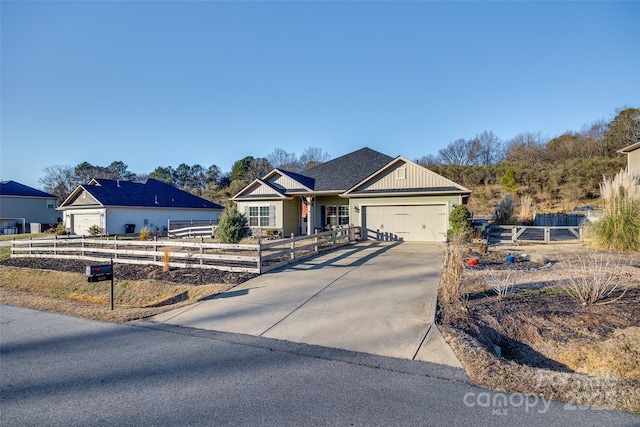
(259, 216)
(337, 215)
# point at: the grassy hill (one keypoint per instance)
(552, 186)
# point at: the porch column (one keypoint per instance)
(309, 201)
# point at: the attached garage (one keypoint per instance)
(81, 222)
(411, 223)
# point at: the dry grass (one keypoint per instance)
(551, 345)
(70, 293)
(450, 290)
(525, 210)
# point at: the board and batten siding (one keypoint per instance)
(633, 160)
(260, 190)
(406, 176)
(285, 181)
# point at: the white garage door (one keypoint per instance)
(82, 222)
(424, 223)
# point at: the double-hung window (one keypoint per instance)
(259, 216)
(337, 215)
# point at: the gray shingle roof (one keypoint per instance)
(150, 193)
(344, 172)
(12, 188)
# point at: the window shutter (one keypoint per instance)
(272, 215)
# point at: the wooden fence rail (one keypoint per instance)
(534, 234)
(253, 258)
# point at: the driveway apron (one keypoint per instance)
(372, 297)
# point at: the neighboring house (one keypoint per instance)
(21, 206)
(117, 207)
(633, 157)
(391, 198)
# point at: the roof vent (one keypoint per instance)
(118, 183)
(156, 202)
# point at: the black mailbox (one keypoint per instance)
(99, 272)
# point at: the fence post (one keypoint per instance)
(55, 244)
(115, 246)
(259, 256)
(293, 247)
(201, 250)
(82, 246)
(316, 247)
(514, 233)
(547, 234)
(334, 235)
(30, 245)
(155, 248)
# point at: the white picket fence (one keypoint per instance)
(252, 258)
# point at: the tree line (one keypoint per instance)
(528, 159)
(208, 182)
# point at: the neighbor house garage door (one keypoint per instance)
(82, 222)
(423, 223)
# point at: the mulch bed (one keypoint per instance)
(191, 276)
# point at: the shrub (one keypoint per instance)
(504, 211)
(619, 229)
(508, 180)
(501, 282)
(61, 229)
(459, 224)
(95, 230)
(144, 234)
(597, 278)
(233, 226)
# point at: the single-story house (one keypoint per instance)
(633, 157)
(390, 198)
(118, 207)
(23, 208)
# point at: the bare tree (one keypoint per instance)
(313, 156)
(59, 180)
(282, 159)
(527, 147)
(428, 161)
(490, 147)
(461, 152)
(258, 168)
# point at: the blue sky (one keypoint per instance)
(162, 83)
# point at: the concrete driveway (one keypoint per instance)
(372, 297)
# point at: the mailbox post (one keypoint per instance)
(99, 273)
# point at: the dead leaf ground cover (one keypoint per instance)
(538, 339)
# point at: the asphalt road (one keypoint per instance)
(58, 370)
